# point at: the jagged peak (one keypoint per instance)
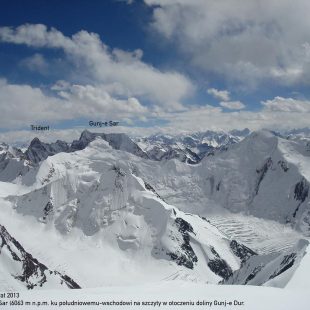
(35, 141)
(85, 134)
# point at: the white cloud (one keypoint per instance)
(28, 105)
(209, 117)
(232, 105)
(223, 95)
(281, 104)
(35, 62)
(195, 119)
(133, 77)
(243, 41)
(23, 104)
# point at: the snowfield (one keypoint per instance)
(177, 295)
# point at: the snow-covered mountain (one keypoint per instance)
(12, 163)
(38, 150)
(96, 192)
(264, 175)
(270, 270)
(186, 148)
(103, 198)
(190, 148)
(19, 269)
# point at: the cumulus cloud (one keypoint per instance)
(209, 117)
(232, 105)
(246, 42)
(194, 119)
(23, 104)
(125, 70)
(28, 105)
(121, 80)
(36, 63)
(281, 104)
(222, 95)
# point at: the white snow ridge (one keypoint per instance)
(107, 211)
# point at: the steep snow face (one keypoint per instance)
(95, 191)
(265, 176)
(20, 270)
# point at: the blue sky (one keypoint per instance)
(163, 65)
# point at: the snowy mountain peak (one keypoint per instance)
(190, 147)
(95, 191)
(35, 141)
(118, 141)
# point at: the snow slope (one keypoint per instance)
(19, 269)
(265, 176)
(177, 295)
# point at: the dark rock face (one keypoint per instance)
(34, 274)
(283, 164)
(151, 188)
(241, 251)
(301, 192)
(262, 172)
(196, 159)
(38, 151)
(287, 262)
(219, 266)
(118, 141)
(187, 256)
(48, 209)
(253, 274)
